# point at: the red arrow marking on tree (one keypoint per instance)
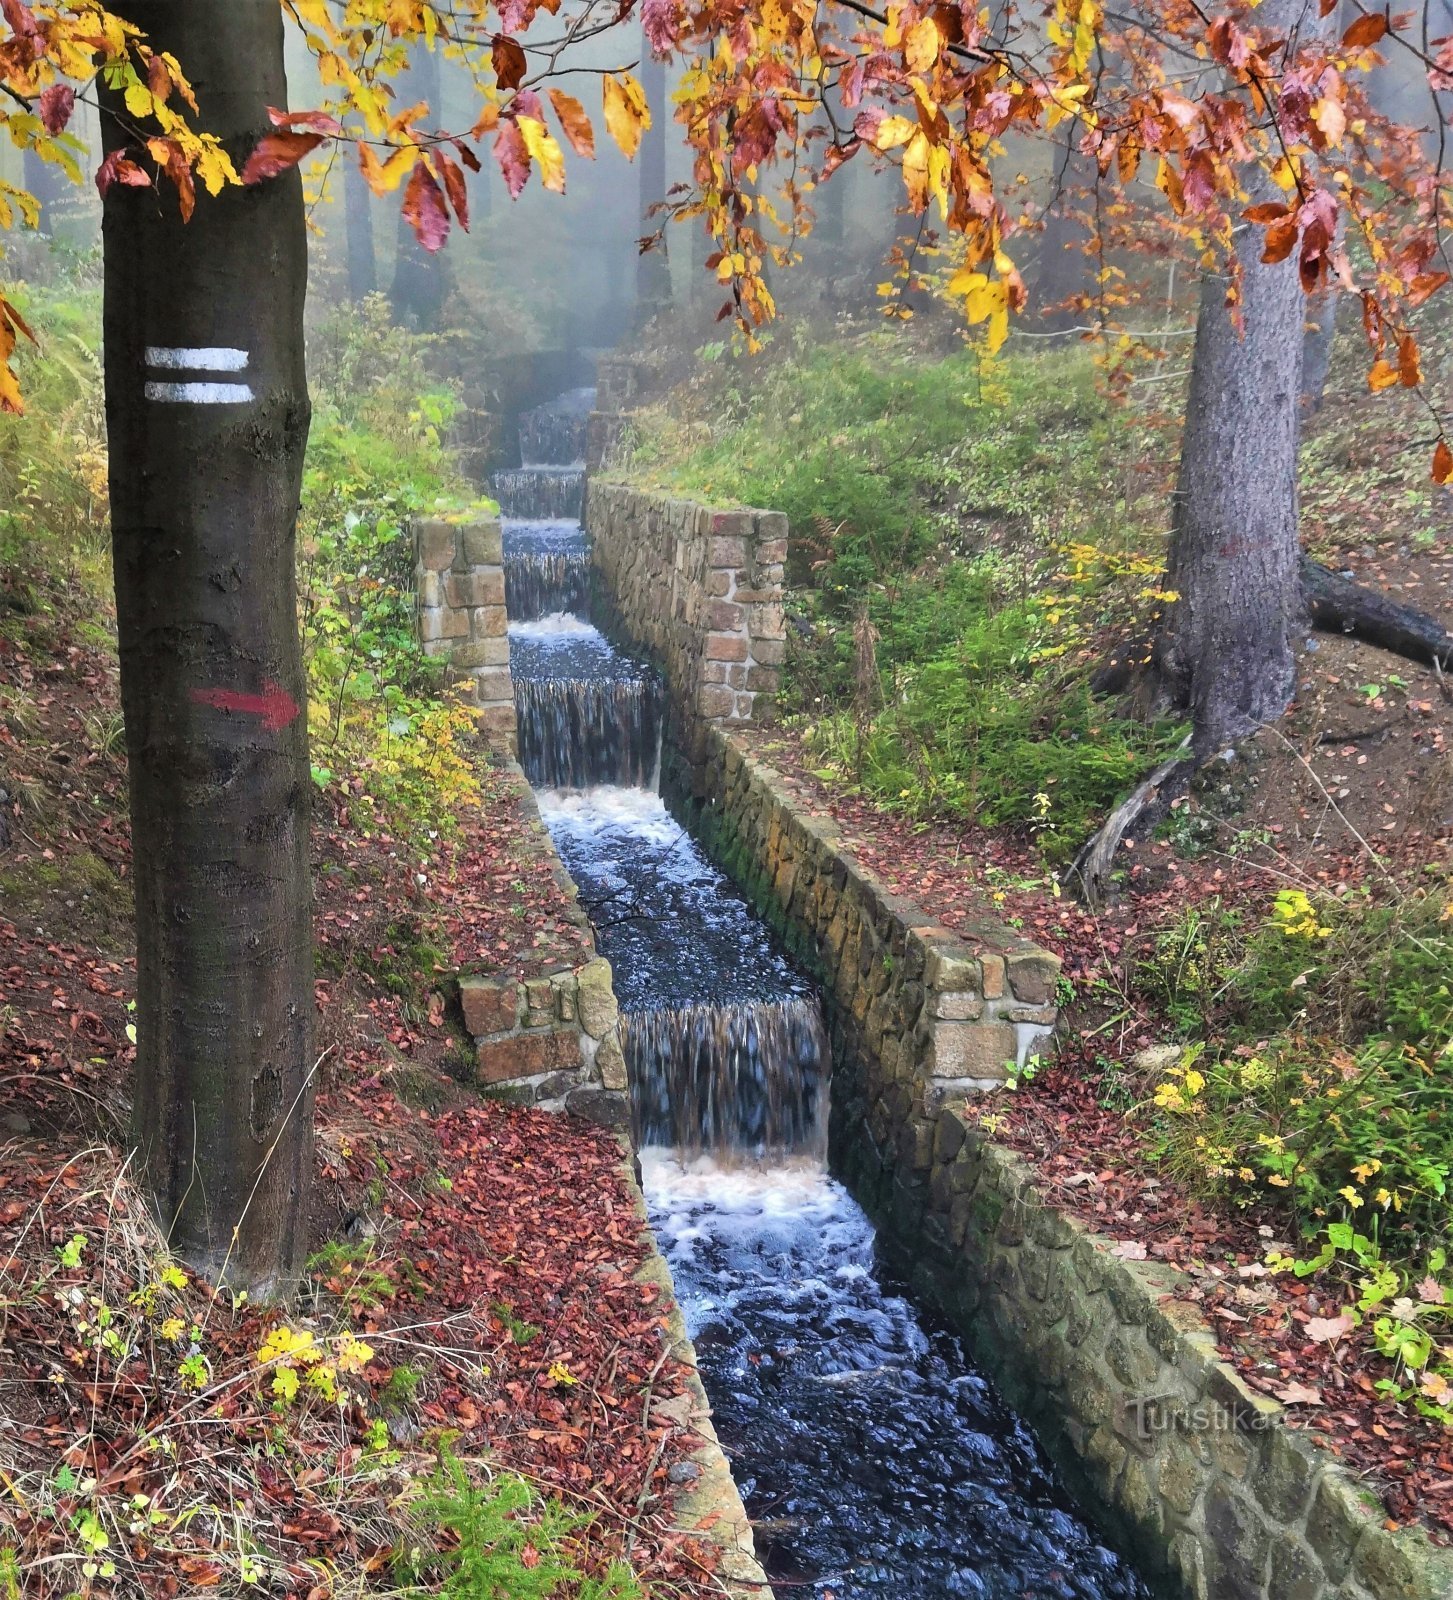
(274, 705)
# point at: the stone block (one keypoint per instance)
(958, 1005)
(726, 647)
(971, 1049)
(607, 1108)
(453, 624)
(527, 1055)
(767, 622)
(726, 553)
(729, 524)
(1033, 975)
(497, 723)
(431, 625)
(772, 526)
(1284, 1480)
(719, 585)
(428, 590)
(763, 680)
(610, 1062)
(485, 587)
(770, 552)
(495, 684)
(1240, 1545)
(595, 1000)
(491, 1005)
(481, 544)
(1296, 1573)
(992, 966)
(481, 653)
(490, 622)
(725, 615)
(714, 700)
(1335, 1524)
(434, 544)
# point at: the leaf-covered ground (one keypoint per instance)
(486, 1256)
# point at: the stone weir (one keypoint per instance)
(1197, 1475)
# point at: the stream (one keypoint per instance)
(874, 1460)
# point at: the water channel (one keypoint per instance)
(876, 1463)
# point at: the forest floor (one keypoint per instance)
(472, 1288)
(1354, 786)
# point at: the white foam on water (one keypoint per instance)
(557, 625)
(587, 811)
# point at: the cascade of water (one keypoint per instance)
(555, 431)
(541, 492)
(747, 1078)
(539, 583)
(576, 732)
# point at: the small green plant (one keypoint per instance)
(521, 1332)
(477, 1541)
(402, 1388)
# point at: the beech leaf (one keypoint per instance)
(278, 152)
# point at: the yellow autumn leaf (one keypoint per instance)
(921, 45)
(893, 131)
(545, 151)
(627, 115)
(215, 169)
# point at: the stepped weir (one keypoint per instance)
(876, 1462)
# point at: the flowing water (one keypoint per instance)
(876, 1463)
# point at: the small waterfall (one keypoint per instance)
(729, 1078)
(556, 431)
(542, 582)
(578, 732)
(553, 493)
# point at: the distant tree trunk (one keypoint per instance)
(653, 269)
(48, 184)
(422, 278)
(1064, 268)
(358, 225)
(207, 412)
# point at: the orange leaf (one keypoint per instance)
(1383, 376)
(1442, 462)
(1410, 373)
(1366, 30)
(509, 61)
(574, 123)
(277, 152)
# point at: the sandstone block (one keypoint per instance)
(993, 969)
(958, 1005)
(595, 1000)
(428, 589)
(485, 587)
(763, 680)
(527, 1055)
(481, 544)
(491, 1005)
(495, 684)
(490, 622)
(481, 653)
(770, 652)
(725, 647)
(453, 624)
(434, 543)
(767, 622)
(771, 552)
(497, 723)
(431, 625)
(610, 1062)
(725, 615)
(972, 1049)
(1033, 975)
(726, 553)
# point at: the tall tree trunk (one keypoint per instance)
(358, 227)
(422, 278)
(1226, 650)
(207, 411)
(653, 268)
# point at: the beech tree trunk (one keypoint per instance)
(358, 229)
(653, 268)
(207, 411)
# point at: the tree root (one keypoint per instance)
(1133, 818)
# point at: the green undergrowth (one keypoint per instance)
(1315, 1079)
(964, 530)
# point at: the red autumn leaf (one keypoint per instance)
(118, 168)
(455, 187)
(509, 61)
(424, 209)
(1442, 462)
(1272, 211)
(513, 158)
(661, 24)
(1364, 31)
(55, 106)
(167, 154)
(159, 79)
(23, 25)
(466, 155)
(318, 121)
(1410, 372)
(1281, 237)
(278, 152)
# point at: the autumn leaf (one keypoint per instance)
(626, 114)
(574, 123)
(512, 157)
(318, 121)
(921, 45)
(544, 150)
(55, 106)
(278, 152)
(509, 61)
(1410, 372)
(455, 187)
(1366, 30)
(1442, 462)
(119, 168)
(1382, 376)
(424, 208)
(1325, 1330)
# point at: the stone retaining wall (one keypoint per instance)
(459, 585)
(701, 591)
(1198, 1476)
(551, 1041)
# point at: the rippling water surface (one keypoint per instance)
(875, 1462)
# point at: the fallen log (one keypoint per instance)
(1338, 605)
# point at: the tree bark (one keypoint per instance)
(207, 411)
(653, 267)
(1337, 605)
(358, 228)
